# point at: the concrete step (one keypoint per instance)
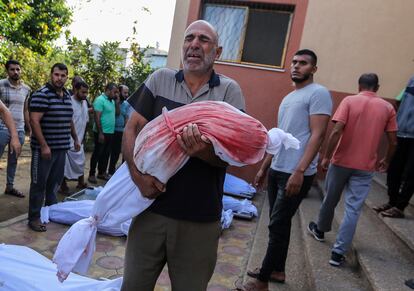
(402, 228)
(323, 276)
(296, 274)
(384, 259)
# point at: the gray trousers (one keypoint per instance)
(356, 184)
(46, 177)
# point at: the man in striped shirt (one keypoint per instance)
(51, 121)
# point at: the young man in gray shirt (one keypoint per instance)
(305, 114)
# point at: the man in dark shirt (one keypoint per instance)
(182, 226)
(51, 121)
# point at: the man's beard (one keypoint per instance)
(15, 77)
(301, 80)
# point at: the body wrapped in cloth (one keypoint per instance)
(237, 138)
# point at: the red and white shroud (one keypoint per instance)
(237, 138)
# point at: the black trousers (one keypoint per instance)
(100, 155)
(46, 177)
(401, 173)
(115, 151)
(282, 209)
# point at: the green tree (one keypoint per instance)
(136, 73)
(34, 24)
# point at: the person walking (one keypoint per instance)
(360, 121)
(305, 114)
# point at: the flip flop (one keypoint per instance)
(37, 226)
(14, 192)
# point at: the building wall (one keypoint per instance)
(350, 37)
(263, 89)
(353, 37)
(177, 33)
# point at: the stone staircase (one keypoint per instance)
(381, 259)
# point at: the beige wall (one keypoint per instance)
(177, 33)
(351, 37)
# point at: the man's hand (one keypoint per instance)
(294, 183)
(383, 165)
(149, 186)
(101, 138)
(15, 146)
(45, 152)
(193, 143)
(325, 164)
(259, 179)
(77, 146)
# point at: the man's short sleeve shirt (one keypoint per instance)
(365, 117)
(57, 117)
(107, 109)
(294, 117)
(195, 192)
(14, 97)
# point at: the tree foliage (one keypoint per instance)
(34, 24)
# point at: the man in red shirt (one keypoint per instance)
(360, 121)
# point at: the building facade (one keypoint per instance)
(259, 39)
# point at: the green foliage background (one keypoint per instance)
(28, 29)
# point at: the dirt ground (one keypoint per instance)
(11, 206)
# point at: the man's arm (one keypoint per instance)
(332, 143)
(318, 125)
(76, 144)
(149, 186)
(35, 118)
(392, 145)
(97, 116)
(7, 118)
(261, 174)
(27, 116)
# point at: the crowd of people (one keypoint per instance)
(56, 120)
(183, 232)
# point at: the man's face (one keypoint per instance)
(200, 49)
(14, 72)
(81, 93)
(125, 92)
(301, 68)
(113, 93)
(59, 78)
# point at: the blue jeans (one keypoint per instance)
(11, 158)
(356, 184)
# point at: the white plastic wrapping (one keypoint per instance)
(23, 269)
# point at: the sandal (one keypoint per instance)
(382, 207)
(393, 213)
(81, 186)
(277, 277)
(14, 192)
(36, 225)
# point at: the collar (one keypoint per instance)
(15, 86)
(53, 89)
(213, 82)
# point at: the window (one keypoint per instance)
(250, 33)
